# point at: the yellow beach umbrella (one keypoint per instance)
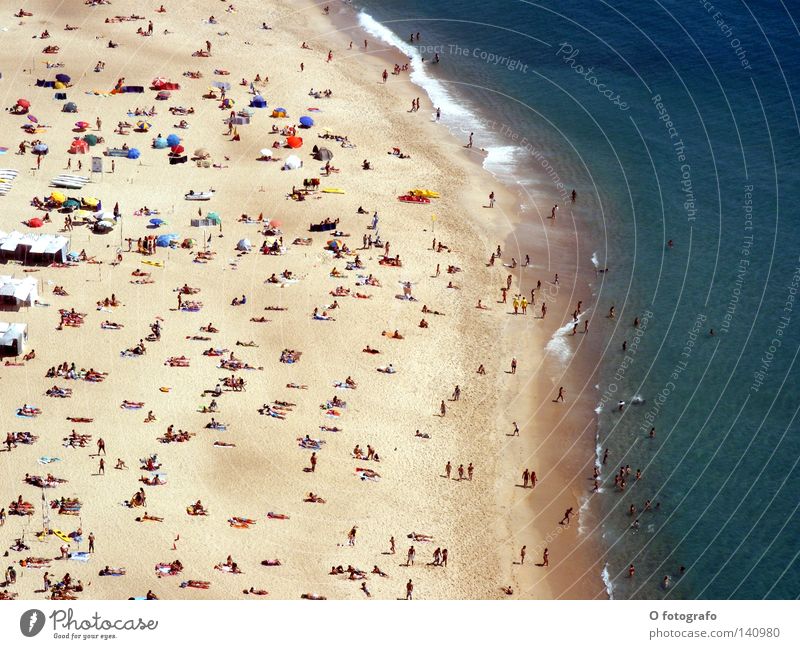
(58, 197)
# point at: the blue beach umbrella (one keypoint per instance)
(160, 143)
(63, 78)
(156, 222)
(133, 154)
(173, 140)
(306, 121)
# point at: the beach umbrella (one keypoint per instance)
(334, 244)
(40, 148)
(178, 148)
(222, 85)
(274, 223)
(70, 107)
(33, 118)
(258, 102)
(214, 217)
(91, 201)
(266, 153)
(58, 197)
(157, 222)
(281, 110)
(244, 245)
(306, 122)
(63, 78)
(158, 82)
(292, 162)
(160, 143)
(72, 202)
(133, 154)
(163, 240)
(35, 223)
(173, 140)
(82, 125)
(90, 139)
(294, 142)
(24, 103)
(143, 126)
(104, 225)
(201, 153)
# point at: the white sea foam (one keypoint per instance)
(607, 581)
(595, 260)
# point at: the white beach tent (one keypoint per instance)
(13, 336)
(16, 293)
(292, 162)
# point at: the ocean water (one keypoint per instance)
(675, 120)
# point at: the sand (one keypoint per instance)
(483, 522)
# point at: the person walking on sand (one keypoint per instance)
(522, 555)
(351, 536)
(533, 479)
(91, 541)
(438, 114)
(560, 396)
(470, 471)
(410, 556)
(460, 471)
(392, 548)
(410, 590)
(385, 76)
(516, 429)
(101, 470)
(469, 144)
(567, 515)
(544, 310)
(545, 558)
(456, 393)
(526, 475)
(516, 305)
(101, 446)
(442, 409)
(447, 469)
(514, 365)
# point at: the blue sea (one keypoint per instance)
(676, 121)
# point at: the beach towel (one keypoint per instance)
(83, 557)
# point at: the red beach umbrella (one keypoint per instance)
(275, 223)
(294, 142)
(24, 103)
(178, 148)
(35, 223)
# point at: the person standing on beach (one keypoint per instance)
(101, 470)
(91, 541)
(544, 310)
(522, 555)
(491, 199)
(385, 76)
(442, 409)
(313, 461)
(457, 393)
(438, 114)
(101, 446)
(410, 590)
(525, 478)
(469, 144)
(444, 557)
(533, 479)
(514, 365)
(351, 536)
(470, 471)
(447, 469)
(545, 558)
(567, 515)
(410, 556)
(516, 429)
(392, 549)
(460, 471)
(504, 293)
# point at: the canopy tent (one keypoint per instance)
(258, 102)
(215, 218)
(70, 107)
(279, 112)
(244, 245)
(16, 293)
(13, 336)
(265, 154)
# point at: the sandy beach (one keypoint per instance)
(335, 301)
